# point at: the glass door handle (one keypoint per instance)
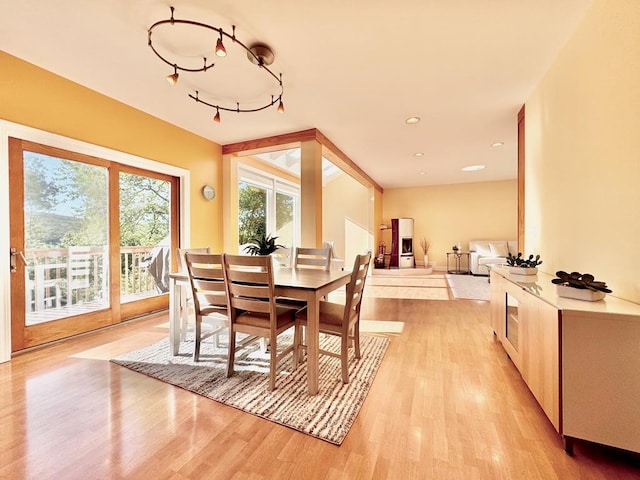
(14, 253)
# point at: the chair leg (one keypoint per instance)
(198, 333)
(344, 358)
(296, 345)
(356, 339)
(273, 363)
(184, 315)
(231, 354)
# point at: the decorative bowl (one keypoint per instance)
(523, 271)
(579, 293)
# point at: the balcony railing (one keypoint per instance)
(62, 278)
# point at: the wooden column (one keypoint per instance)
(311, 193)
(521, 179)
(230, 203)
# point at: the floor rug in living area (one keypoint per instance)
(469, 287)
(327, 416)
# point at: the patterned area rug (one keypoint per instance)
(469, 287)
(328, 415)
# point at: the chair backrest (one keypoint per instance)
(207, 282)
(355, 287)
(312, 257)
(249, 284)
(182, 266)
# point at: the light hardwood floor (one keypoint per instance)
(446, 404)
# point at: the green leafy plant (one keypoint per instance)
(262, 244)
(520, 261)
(583, 281)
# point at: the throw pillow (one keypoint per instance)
(499, 249)
(483, 249)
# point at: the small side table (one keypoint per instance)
(459, 267)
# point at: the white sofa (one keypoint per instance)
(483, 252)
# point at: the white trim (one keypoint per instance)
(10, 129)
(251, 172)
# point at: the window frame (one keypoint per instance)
(273, 184)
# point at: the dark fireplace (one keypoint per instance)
(407, 245)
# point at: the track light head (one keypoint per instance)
(173, 78)
(220, 50)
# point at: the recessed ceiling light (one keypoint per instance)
(497, 144)
(418, 154)
(473, 168)
(412, 120)
(422, 173)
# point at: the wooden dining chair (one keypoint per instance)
(312, 258)
(340, 320)
(187, 298)
(181, 252)
(304, 257)
(208, 294)
(252, 306)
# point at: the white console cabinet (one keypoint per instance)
(581, 360)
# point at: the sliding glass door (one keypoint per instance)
(73, 266)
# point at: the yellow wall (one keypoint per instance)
(450, 214)
(583, 152)
(37, 98)
(345, 198)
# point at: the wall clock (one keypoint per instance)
(208, 192)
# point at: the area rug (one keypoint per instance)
(327, 416)
(469, 287)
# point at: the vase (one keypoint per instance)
(579, 293)
(425, 260)
(523, 271)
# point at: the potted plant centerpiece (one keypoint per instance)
(581, 286)
(425, 244)
(263, 244)
(523, 266)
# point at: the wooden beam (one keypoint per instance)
(260, 145)
(293, 139)
(346, 163)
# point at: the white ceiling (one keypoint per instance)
(355, 70)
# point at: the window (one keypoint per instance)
(267, 204)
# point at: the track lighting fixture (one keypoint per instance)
(257, 53)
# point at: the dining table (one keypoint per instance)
(307, 284)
